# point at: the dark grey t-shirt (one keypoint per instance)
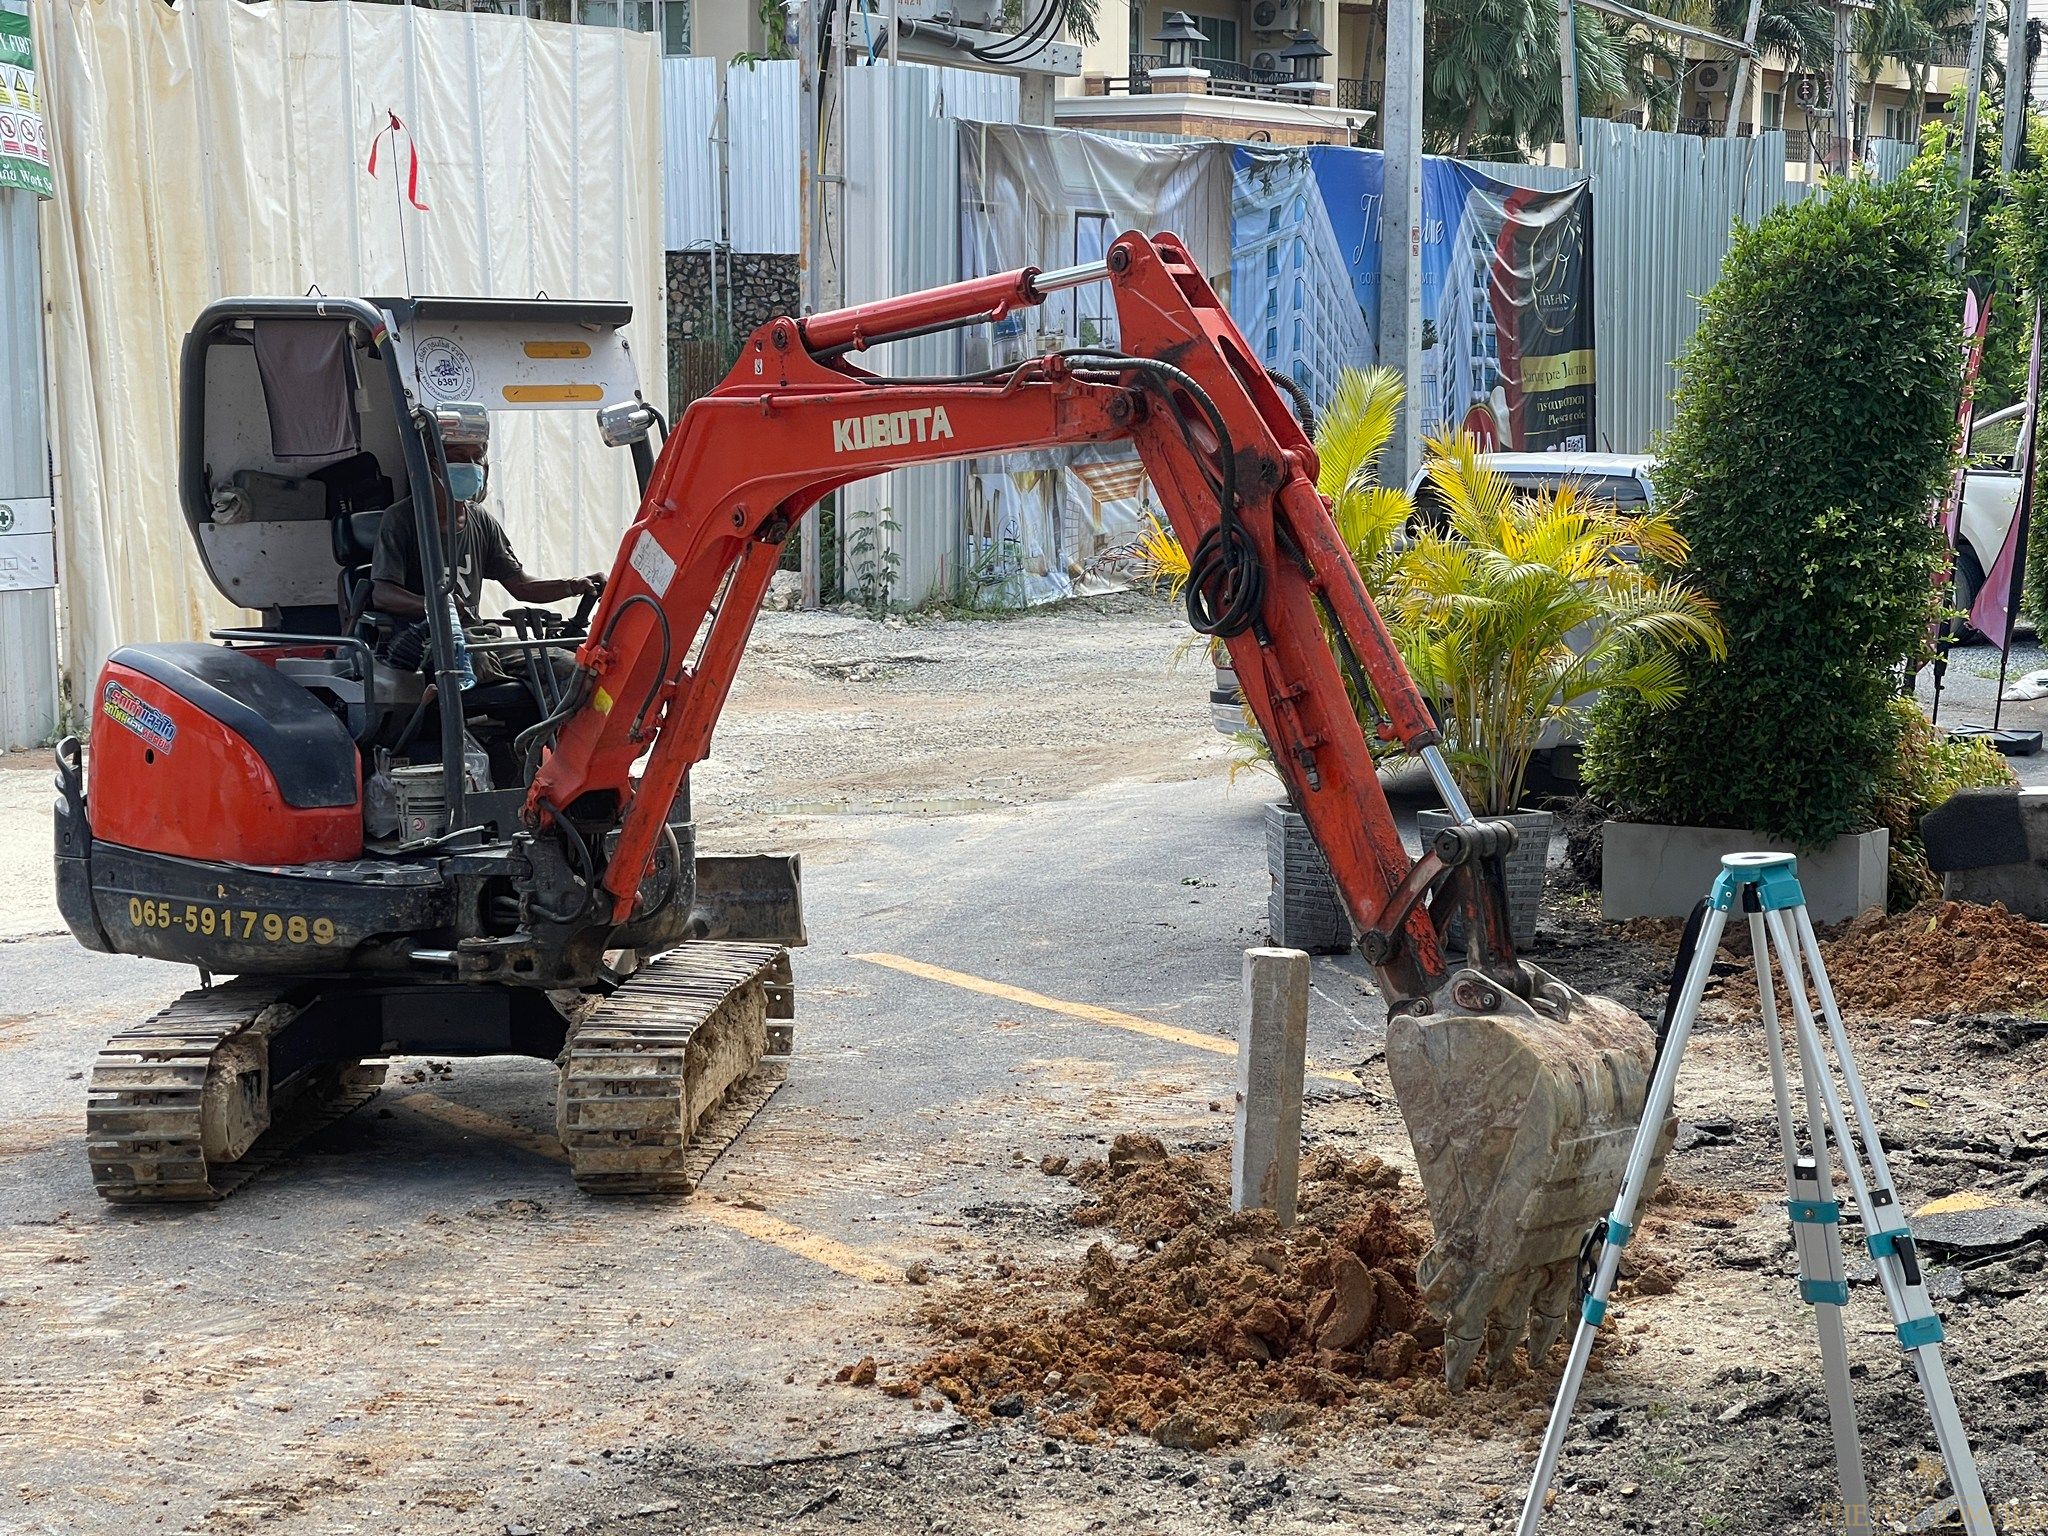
(482, 551)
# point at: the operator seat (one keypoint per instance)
(355, 548)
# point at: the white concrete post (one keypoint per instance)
(1399, 322)
(1272, 1044)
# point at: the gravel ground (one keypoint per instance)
(414, 1324)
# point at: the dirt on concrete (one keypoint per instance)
(1939, 960)
(1202, 1327)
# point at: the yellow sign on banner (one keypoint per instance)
(1560, 370)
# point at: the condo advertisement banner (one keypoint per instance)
(1291, 239)
(1507, 289)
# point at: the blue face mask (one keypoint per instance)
(466, 482)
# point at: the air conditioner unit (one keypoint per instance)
(1266, 15)
(1265, 61)
(1713, 79)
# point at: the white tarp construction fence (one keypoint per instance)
(210, 149)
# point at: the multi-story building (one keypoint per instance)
(1242, 85)
(1291, 289)
(1249, 92)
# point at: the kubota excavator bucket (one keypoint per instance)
(1521, 1119)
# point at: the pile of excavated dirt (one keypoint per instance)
(1941, 959)
(1202, 1327)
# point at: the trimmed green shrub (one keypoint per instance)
(1816, 415)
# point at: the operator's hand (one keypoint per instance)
(589, 586)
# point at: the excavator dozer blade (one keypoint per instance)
(1521, 1120)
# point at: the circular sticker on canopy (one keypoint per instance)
(444, 369)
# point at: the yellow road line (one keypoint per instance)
(1173, 1034)
(759, 1225)
(801, 1241)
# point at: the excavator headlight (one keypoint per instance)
(626, 422)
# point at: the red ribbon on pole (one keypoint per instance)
(412, 154)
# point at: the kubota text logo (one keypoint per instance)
(891, 429)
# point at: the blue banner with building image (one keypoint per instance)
(1507, 288)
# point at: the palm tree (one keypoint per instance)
(1920, 34)
(1525, 606)
(1492, 72)
(1511, 614)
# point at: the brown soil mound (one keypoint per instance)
(1940, 959)
(1221, 1326)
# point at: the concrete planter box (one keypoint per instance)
(1303, 909)
(1525, 865)
(1648, 870)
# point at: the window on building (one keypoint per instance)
(1219, 34)
(1272, 344)
(1297, 333)
(1895, 122)
(1272, 301)
(1300, 294)
(1094, 307)
(1272, 261)
(675, 28)
(1774, 110)
(1272, 218)
(1300, 254)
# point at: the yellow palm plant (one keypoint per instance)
(1351, 436)
(1524, 606)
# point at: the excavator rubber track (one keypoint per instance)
(672, 1065)
(144, 1116)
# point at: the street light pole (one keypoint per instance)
(1844, 150)
(1738, 97)
(1400, 316)
(810, 135)
(1568, 67)
(1966, 161)
(2015, 85)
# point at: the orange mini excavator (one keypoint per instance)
(389, 862)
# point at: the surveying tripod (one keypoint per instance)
(1767, 885)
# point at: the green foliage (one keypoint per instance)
(1924, 770)
(871, 558)
(1815, 426)
(1491, 76)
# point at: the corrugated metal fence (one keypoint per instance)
(1665, 208)
(28, 620)
(902, 233)
(730, 145)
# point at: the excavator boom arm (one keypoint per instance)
(1521, 1096)
(1234, 472)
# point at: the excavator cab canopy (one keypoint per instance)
(305, 421)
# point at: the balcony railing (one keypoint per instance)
(1227, 77)
(1360, 95)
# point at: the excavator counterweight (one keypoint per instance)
(560, 906)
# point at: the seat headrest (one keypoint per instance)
(355, 533)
